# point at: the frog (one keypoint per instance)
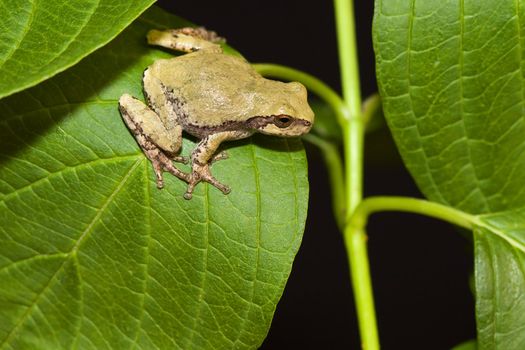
(210, 95)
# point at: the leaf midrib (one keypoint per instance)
(147, 253)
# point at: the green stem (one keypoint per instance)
(353, 137)
(355, 244)
(334, 165)
(346, 42)
(372, 205)
(355, 234)
(353, 127)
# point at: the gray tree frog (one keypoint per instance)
(212, 96)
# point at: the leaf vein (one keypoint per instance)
(74, 249)
(24, 34)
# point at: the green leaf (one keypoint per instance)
(468, 345)
(94, 256)
(452, 83)
(500, 280)
(452, 89)
(39, 39)
(373, 113)
(325, 125)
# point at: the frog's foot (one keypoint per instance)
(202, 173)
(186, 39)
(162, 163)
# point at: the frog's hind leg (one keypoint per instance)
(186, 39)
(151, 136)
(168, 134)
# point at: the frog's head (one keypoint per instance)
(286, 112)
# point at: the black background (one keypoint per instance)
(420, 266)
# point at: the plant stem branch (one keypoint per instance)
(373, 205)
(353, 138)
(355, 235)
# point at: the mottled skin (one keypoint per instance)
(210, 95)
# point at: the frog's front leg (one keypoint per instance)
(153, 137)
(186, 39)
(202, 156)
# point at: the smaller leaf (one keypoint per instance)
(373, 113)
(499, 241)
(325, 125)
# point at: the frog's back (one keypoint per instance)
(210, 85)
(203, 68)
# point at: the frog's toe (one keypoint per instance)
(223, 188)
(160, 183)
(180, 159)
(162, 163)
(158, 174)
(219, 156)
(191, 186)
(176, 172)
(194, 179)
(213, 181)
(188, 195)
(202, 173)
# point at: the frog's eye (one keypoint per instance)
(283, 121)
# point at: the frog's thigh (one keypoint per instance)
(181, 40)
(140, 119)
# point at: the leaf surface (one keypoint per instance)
(500, 280)
(39, 38)
(451, 79)
(94, 256)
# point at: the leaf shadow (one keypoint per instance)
(274, 143)
(32, 113)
